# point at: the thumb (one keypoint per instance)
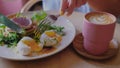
(64, 6)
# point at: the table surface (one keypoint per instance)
(67, 58)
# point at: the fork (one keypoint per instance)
(41, 26)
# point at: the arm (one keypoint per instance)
(70, 5)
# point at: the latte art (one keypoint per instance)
(100, 18)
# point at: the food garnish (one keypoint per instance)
(38, 16)
(10, 38)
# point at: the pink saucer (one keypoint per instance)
(78, 46)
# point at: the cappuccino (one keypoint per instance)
(100, 18)
(98, 30)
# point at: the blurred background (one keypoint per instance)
(12, 6)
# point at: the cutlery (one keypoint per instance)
(9, 23)
(41, 26)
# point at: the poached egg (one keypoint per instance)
(50, 38)
(28, 45)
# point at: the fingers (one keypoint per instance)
(64, 6)
(67, 6)
(71, 7)
(80, 2)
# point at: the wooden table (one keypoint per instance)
(67, 58)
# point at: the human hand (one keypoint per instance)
(69, 6)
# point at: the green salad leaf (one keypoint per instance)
(58, 29)
(8, 38)
(12, 39)
(38, 16)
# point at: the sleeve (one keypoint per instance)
(85, 8)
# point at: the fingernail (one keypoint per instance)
(61, 13)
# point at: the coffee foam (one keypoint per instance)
(100, 18)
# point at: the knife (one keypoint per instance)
(7, 22)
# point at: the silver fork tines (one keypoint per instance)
(40, 28)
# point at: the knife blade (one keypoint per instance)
(9, 23)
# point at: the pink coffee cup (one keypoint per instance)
(98, 31)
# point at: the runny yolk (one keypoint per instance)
(53, 34)
(32, 44)
(50, 33)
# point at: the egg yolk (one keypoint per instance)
(50, 33)
(32, 44)
(59, 38)
(53, 34)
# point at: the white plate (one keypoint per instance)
(69, 29)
